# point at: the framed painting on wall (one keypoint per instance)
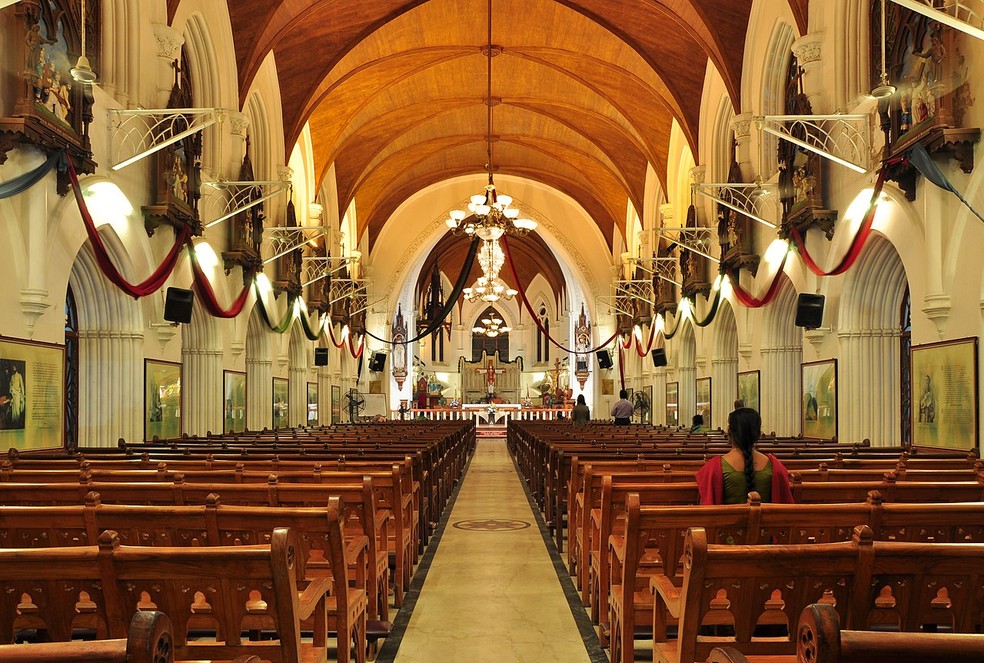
(162, 399)
(704, 401)
(748, 389)
(944, 394)
(234, 397)
(281, 402)
(32, 394)
(672, 403)
(312, 403)
(819, 399)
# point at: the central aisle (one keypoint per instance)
(492, 593)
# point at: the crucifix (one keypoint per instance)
(490, 376)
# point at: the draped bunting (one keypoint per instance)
(311, 334)
(529, 309)
(919, 157)
(709, 318)
(284, 324)
(854, 251)
(749, 300)
(152, 283)
(351, 345)
(206, 295)
(22, 183)
(449, 304)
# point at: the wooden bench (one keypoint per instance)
(872, 584)
(226, 590)
(821, 640)
(220, 525)
(756, 523)
(148, 640)
(388, 490)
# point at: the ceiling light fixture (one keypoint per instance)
(492, 326)
(884, 89)
(82, 71)
(491, 214)
(489, 287)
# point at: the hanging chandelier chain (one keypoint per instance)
(83, 25)
(488, 98)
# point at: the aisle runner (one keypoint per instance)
(492, 591)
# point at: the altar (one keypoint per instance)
(491, 414)
(490, 379)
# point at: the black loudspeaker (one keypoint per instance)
(604, 359)
(809, 310)
(377, 362)
(177, 305)
(321, 356)
(659, 357)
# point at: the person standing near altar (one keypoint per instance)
(622, 410)
(580, 415)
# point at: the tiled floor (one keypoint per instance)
(492, 591)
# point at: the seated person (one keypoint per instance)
(729, 478)
(697, 424)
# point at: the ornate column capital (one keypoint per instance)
(808, 48)
(169, 41)
(697, 174)
(666, 212)
(238, 124)
(742, 125)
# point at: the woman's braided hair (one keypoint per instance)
(744, 429)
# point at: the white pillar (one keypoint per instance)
(724, 391)
(259, 393)
(779, 384)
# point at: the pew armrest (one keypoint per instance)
(663, 587)
(312, 596)
(617, 545)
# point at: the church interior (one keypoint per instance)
(294, 358)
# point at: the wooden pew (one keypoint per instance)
(215, 524)
(226, 589)
(388, 490)
(821, 640)
(756, 523)
(905, 586)
(148, 640)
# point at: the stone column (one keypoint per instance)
(259, 393)
(724, 391)
(659, 396)
(297, 395)
(111, 387)
(741, 125)
(169, 42)
(202, 391)
(869, 387)
(808, 51)
(779, 386)
(688, 394)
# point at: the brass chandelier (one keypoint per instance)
(491, 214)
(492, 326)
(489, 287)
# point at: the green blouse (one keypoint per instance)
(735, 489)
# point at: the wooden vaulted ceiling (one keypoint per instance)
(584, 92)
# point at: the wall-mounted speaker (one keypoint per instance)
(604, 359)
(809, 310)
(321, 356)
(377, 361)
(177, 305)
(659, 357)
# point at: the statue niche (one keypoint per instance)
(177, 168)
(734, 231)
(245, 239)
(52, 111)
(927, 63)
(801, 172)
